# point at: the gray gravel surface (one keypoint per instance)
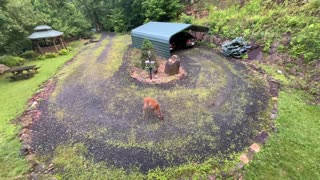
(105, 114)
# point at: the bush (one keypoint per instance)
(86, 34)
(146, 46)
(51, 55)
(306, 43)
(29, 55)
(186, 19)
(63, 52)
(11, 60)
(41, 57)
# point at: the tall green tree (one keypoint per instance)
(17, 19)
(77, 17)
(118, 20)
(161, 10)
(63, 16)
(95, 11)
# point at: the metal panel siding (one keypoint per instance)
(161, 49)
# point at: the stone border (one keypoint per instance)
(26, 119)
(32, 114)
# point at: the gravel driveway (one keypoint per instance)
(213, 112)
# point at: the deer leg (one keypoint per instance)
(144, 111)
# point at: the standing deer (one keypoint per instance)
(151, 104)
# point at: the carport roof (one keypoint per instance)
(160, 31)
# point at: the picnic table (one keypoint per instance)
(22, 72)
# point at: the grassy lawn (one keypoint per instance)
(293, 152)
(13, 98)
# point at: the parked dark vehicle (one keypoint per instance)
(182, 40)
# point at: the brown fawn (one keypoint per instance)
(151, 104)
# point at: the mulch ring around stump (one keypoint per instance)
(157, 78)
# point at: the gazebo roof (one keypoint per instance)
(42, 28)
(44, 31)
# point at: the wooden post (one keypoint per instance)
(39, 47)
(62, 43)
(54, 43)
(33, 46)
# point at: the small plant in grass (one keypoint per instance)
(41, 57)
(245, 56)
(51, 55)
(63, 51)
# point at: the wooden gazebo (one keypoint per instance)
(45, 39)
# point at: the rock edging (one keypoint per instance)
(30, 115)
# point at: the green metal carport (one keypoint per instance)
(159, 33)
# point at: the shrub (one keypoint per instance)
(86, 34)
(29, 55)
(306, 43)
(41, 57)
(146, 46)
(63, 52)
(186, 19)
(11, 60)
(51, 55)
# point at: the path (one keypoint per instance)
(214, 111)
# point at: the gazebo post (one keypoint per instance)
(39, 47)
(53, 41)
(45, 41)
(33, 46)
(62, 42)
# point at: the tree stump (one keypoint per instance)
(172, 65)
(3, 68)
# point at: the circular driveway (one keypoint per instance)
(213, 112)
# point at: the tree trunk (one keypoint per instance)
(172, 65)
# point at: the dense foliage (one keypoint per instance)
(76, 18)
(292, 24)
(264, 21)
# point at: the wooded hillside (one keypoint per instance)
(76, 18)
(261, 21)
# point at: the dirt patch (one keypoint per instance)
(214, 111)
(255, 54)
